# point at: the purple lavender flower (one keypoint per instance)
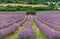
(49, 32)
(27, 33)
(12, 28)
(54, 26)
(9, 18)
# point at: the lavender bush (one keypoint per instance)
(8, 19)
(50, 33)
(27, 33)
(54, 26)
(12, 28)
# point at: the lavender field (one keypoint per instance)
(18, 25)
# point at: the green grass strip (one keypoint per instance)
(37, 33)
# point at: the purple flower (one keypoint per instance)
(27, 33)
(52, 25)
(49, 32)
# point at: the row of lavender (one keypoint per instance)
(27, 32)
(49, 32)
(15, 19)
(7, 19)
(53, 16)
(51, 19)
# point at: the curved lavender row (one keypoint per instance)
(27, 31)
(43, 14)
(22, 21)
(10, 29)
(48, 12)
(10, 15)
(50, 33)
(20, 12)
(51, 19)
(10, 19)
(10, 22)
(49, 16)
(17, 19)
(54, 26)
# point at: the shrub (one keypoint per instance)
(19, 8)
(52, 6)
(28, 7)
(2, 8)
(29, 11)
(9, 1)
(41, 8)
(44, 3)
(24, 8)
(10, 8)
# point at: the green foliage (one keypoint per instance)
(32, 2)
(39, 8)
(20, 8)
(26, 8)
(2, 8)
(26, 1)
(59, 4)
(43, 8)
(30, 11)
(56, 37)
(52, 6)
(26, 37)
(10, 8)
(9, 1)
(1, 37)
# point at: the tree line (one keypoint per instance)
(27, 1)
